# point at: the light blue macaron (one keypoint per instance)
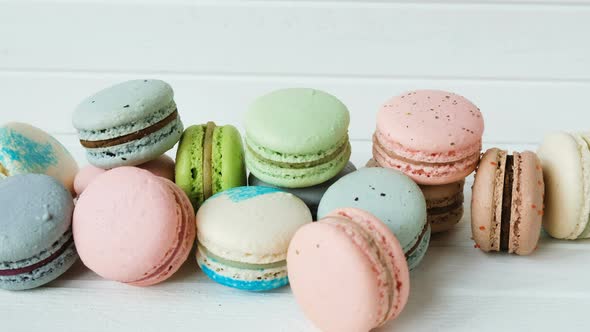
(310, 195)
(128, 124)
(36, 242)
(244, 234)
(392, 197)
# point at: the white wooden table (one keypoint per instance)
(525, 63)
(456, 288)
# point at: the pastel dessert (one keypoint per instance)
(133, 227)
(311, 196)
(390, 196)
(36, 243)
(444, 205)
(348, 272)
(434, 137)
(565, 158)
(209, 160)
(243, 236)
(297, 138)
(162, 166)
(507, 202)
(128, 124)
(25, 149)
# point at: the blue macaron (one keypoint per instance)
(392, 197)
(128, 124)
(36, 242)
(311, 196)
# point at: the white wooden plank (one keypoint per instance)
(398, 40)
(513, 111)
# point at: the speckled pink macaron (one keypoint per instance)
(133, 227)
(162, 166)
(348, 272)
(432, 136)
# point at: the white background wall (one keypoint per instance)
(525, 63)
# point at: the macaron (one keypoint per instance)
(390, 196)
(25, 149)
(432, 136)
(162, 166)
(133, 227)
(36, 243)
(565, 158)
(243, 236)
(311, 196)
(209, 160)
(348, 272)
(297, 138)
(444, 204)
(507, 202)
(128, 124)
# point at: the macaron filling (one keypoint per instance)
(94, 144)
(240, 265)
(418, 242)
(457, 203)
(15, 268)
(507, 204)
(207, 160)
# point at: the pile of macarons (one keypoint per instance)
(245, 206)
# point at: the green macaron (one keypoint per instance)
(209, 160)
(297, 138)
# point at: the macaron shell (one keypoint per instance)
(186, 238)
(32, 222)
(126, 223)
(297, 121)
(229, 168)
(26, 149)
(447, 123)
(323, 260)
(486, 200)
(137, 98)
(564, 158)
(390, 246)
(162, 166)
(389, 195)
(250, 224)
(527, 203)
(189, 163)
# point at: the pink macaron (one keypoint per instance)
(162, 166)
(348, 272)
(432, 136)
(133, 227)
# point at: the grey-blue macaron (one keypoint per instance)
(36, 242)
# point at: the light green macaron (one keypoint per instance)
(297, 137)
(209, 160)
